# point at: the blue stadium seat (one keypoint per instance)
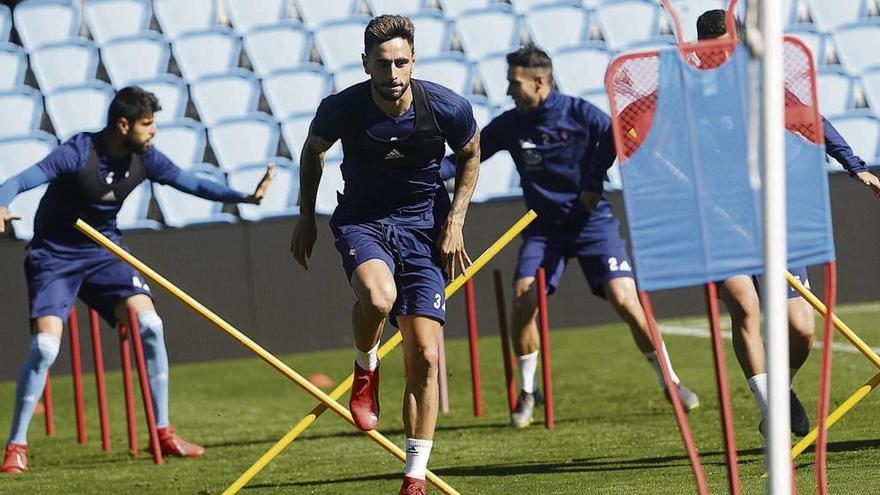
(863, 134)
(432, 34)
(624, 22)
(133, 214)
(400, 7)
(225, 96)
(558, 25)
(581, 69)
(483, 111)
(178, 17)
(25, 206)
(206, 53)
(181, 209)
(247, 15)
(19, 153)
(312, 85)
(69, 63)
(498, 179)
(814, 40)
(454, 8)
(279, 46)
(349, 75)
(135, 58)
(172, 94)
(79, 108)
(835, 89)
(282, 198)
(828, 15)
(40, 22)
(245, 140)
(488, 30)
(599, 99)
(341, 43)
(182, 141)
(26, 105)
(452, 71)
(317, 13)
(493, 75)
(5, 23)
(13, 65)
(688, 12)
(523, 6)
(331, 183)
(110, 19)
(857, 45)
(871, 84)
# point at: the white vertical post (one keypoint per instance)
(774, 288)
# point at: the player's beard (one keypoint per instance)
(135, 146)
(388, 93)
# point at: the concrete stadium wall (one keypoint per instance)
(244, 272)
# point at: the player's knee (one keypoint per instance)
(45, 347)
(525, 299)
(427, 359)
(152, 329)
(801, 321)
(381, 298)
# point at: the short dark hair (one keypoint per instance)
(132, 102)
(387, 27)
(530, 57)
(713, 24)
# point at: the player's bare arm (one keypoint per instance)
(263, 186)
(6, 216)
(452, 239)
(305, 232)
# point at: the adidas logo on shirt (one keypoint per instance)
(394, 155)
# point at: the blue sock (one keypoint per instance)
(31, 382)
(152, 336)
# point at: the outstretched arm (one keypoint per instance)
(193, 184)
(837, 147)
(24, 181)
(311, 166)
(451, 240)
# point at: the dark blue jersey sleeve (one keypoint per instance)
(490, 143)
(67, 158)
(454, 114)
(839, 149)
(159, 167)
(328, 118)
(598, 124)
(204, 188)
(603, 159)
(28, 179)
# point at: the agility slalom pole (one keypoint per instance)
(387, 347)
(841, 327)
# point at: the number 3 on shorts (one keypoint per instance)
(438, 302)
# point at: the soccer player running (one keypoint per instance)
(552, 139)
(392, 235)
(89, 177)
(740, 293)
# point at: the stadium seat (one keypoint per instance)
(498, 178)
(317, 13)
(493, 75)
(40, 22)
(863, 134)
(341, 43)
(13, 66)
(79, 108)
(5, 23)
(857, 46)
(247, 15)
(245, 140)
(312, 85)
(523, 6)
(454, 8)
(111, 19)
(581, 69)
(454, 72)
(26, 105)
(135, 58)
(207, 53)
(25, 206)
(835, 89)
(282, 198)
(69, 63)
(400, 7)
(178, 17)
(432, 38)
(815, 41)
(182, 141)
(349, 75)
(624, 22)
(133, 214)
(688, 11)
(225, 96)
(172, 94)
(331, 183)
(19, 153)
(280, 46)
(599, 99)
(485, 31)
(483, 111)
(558, 25)
(181, 209)
(828, 16)
(871, 83)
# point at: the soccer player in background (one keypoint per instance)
(552, 139)
(391, 234)
(89, 177)
(740, 293)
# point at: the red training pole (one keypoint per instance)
(505, 341)
(825, 378)
(544, 327)
(98, 359)
(49, 409)
(723, 386)
(145, 386)
(442, 382)
(471, 308)
(76, 369)
(125, 361)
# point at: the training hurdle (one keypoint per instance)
(126, 341)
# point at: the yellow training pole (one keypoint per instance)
(244, 340)
(841, 327)
(387, 347)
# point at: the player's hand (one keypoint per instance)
(5, 216)
(590, 200)
(451, 243)
(263, 187)
(871, 181)
(305, 234)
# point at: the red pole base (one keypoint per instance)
(544, 326)
(471, 309)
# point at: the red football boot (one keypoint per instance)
(15, 461)
(364, 401)
(174, 444)
(412, 486)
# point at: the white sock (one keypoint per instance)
(367, 360)
(417, 453)
(758, 384)
(655, 365)
(527, 366)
